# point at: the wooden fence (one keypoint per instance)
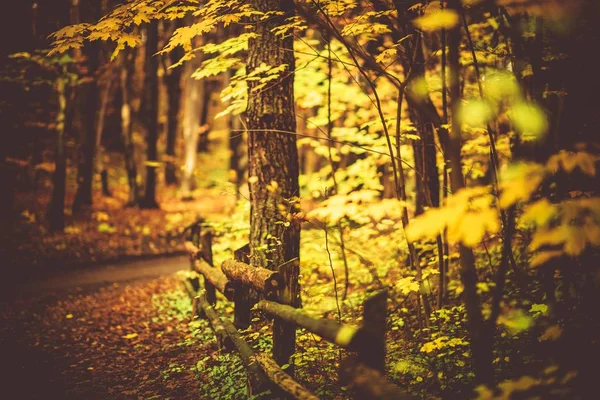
(250, 287)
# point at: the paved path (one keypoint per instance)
(90, 278)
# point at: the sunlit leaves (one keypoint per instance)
(515, 321)
(540, 212)
(529, 120)
(475, 113)
(519, 182)
(356, 29)
(407, 285)
(437, 19)
(418, 88)
(501, 85)
(568, 161)
(469, 215)
(443, 342)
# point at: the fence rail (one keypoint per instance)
(244, 285)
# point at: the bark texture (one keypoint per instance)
(127, 70)
(283, 380)
(273, 164)
(151, 115)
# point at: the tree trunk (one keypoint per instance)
(87, 145)
(105, 97)
(56, 211)
(236, 140)
(273, 165)
(191, 122)
(173, 81)
(203, 142)
(127, 70)
(151, 115)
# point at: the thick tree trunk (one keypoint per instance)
(151, 115)
(273, 165)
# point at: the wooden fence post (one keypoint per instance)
(284, 333)
(206, 251)
(195, 239)
(374, 322)
(241, 295)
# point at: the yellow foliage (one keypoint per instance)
(475, 113)
(540, 212)
(437, 19)
(469, 215)
(530, 121)
(543, 257)
(586, 162)
(519, 182)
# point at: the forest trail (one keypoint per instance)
(87, 279)
(113, 331)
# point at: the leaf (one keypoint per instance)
(436, 20)
(130, 336)
(543, 257)
(475, 113)
(407, 285)
(515, 321)
(519, 182)
(529, 120)
(540, 212)
(388, 55)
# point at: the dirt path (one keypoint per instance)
(116, 331)
(92, 278)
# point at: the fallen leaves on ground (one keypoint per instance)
(120, 342)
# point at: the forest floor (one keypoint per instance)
(121, 340)
(124, 333)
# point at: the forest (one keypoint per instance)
(299, 199)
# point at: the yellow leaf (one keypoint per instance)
(553, 236)
(544, 256)
(387, 55)
(130, 336)
(69, 316)
(540, 212)
(575, 241)
(475, 113)
(519, 182)
(529, 120)
(436, 20)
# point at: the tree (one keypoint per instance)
(173, 83)
(151, 115)
(127, 69)
(89, 107)
(273, 162)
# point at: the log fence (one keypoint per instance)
(260, 289)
